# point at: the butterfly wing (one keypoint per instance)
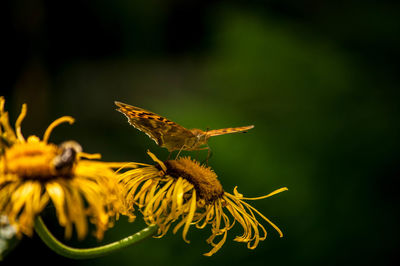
(223, 131)
(163, 131)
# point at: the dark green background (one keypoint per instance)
(318, 80)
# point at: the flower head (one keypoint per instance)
(34, 172)
(181, 193)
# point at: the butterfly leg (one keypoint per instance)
(182, 148)
(209, 154)
(169, 155)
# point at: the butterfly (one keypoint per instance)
(169, 134)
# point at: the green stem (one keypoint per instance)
(86, 253)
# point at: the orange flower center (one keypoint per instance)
(204, 179)
(33, 160)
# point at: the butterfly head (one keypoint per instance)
(201, 136)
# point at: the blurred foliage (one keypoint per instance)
(8, 238)
(318, 80)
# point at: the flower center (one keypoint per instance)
(32, 160)
(203, 178)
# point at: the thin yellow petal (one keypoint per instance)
(267, 196)
(190, 216)
(19, 121)
(154, 158)
(55, 123)
(216, 247)
(57, 196)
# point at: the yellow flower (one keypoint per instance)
(185, 192)
(34, 172)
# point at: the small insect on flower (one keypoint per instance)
(182, 193)
(169, 134)
(67, 158)
(34, 172)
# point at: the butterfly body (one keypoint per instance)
(168, 134)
